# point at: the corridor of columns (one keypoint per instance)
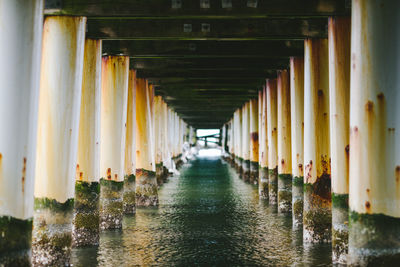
(199, 133)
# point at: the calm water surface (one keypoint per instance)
(207, 217)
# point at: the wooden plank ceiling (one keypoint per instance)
(205, 57)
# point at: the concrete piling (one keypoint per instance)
(284, 143)
(254, 141)
(20, 41)
(339, 97)
(374, 232)
(317, 219)
(57, 138)
(297, 133)
(87, 189)
(263, 145)
(272, 126)
(114, 101)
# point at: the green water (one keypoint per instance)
(207, 217)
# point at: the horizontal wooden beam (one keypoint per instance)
(206, 29)
(198, 8)
(166, 49)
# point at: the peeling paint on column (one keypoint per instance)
(272, 126)
(114, 102)
(297, 131)
(317, 218)
(374, 232)
(339, 97)
(57, 142)
(284, 143)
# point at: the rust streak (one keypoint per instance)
(109, 173)
(308, 170)
(368, 206)
(116, 176)
(81, 176)
(397, 173)
(23, 175)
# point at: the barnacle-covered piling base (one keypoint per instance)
(129, 198)
(85, 231)
(52, 232)
(284, 193)
(297, 201)
(273, 185)
(263, 183)
(146, 188)
(111, 204)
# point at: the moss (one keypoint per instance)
(340, 201)
(58, 240)
(86, 196)
(87, 188)
(298, 180)
(143, 172)
(319, 224)
(115, 185)
(87, 221)
(112, 208)
(130, 179)
(16, 234)
(285, 197)
(54, 205)
(298, 208)
(340, 244)
(129, 197)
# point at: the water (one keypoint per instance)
(207, 217)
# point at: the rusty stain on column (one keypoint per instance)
(272, 125)
(284, 144)
(374, 232)
(114, 102)
(129, 201)
(263, 148)
(158, 138)
(297, 131)
(87, 188)
(253, 140)
(146, 182)
(339, 97)
(317, 219)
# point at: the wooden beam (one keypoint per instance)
(193, 9)
(206, 29)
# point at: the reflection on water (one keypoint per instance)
(206, 217)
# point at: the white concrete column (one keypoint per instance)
(129, 202)
(146, 185)
(87, 190)
(284, 144)
(339, 97)
(263, 142)
(297, 133)
(246, 141)
(20, 40)
(317, 219)
(254, 142)
(57, 139)
(114, 103)
(374, 200)
(272, 127)
(158, 129)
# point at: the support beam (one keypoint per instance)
(284, 144)
(129, 199)
(297, 137)
(272, 127)
(114, 102)
(20, 40)
(254, 143)
(146, 186)
(317, 219)
(374, 232)
(263, 142)
(57, 142)
(339, 97)
(87, 188)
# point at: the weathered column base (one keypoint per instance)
(246, 170)
(15, 241)
(340, 227)
(178, 161)
(297, 201)
(374, 240)
(85, 230)
(317, 213)
(111, 204)
(146, 188)
(52, 232)
(284, 193)
(273, 185)
(263, 183)
(159, 174)
(253, 172)
(129, 198)
(239, 165)
(165, 174)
